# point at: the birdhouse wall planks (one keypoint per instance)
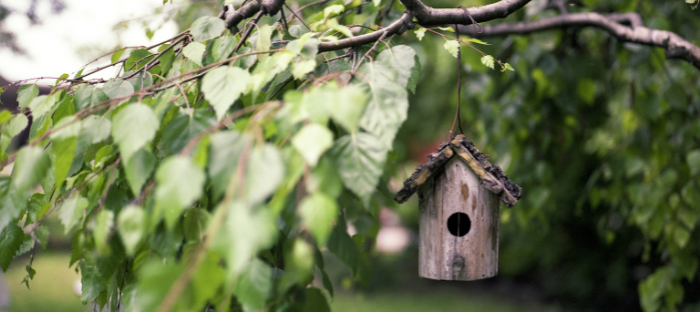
(459, 192)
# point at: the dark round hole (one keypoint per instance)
(459, 224)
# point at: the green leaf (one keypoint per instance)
(62, 153)
(25, 95)
(268, 69)
(42, 105)
(318, 213)
(347, 107)
(117, 55)
(64, 109)
(333, 10)
(5, 116)
(333, 24)
(133, 127)
(359, 240)
(66, 128)
(327, 283)
(140, 81)
(244, 233)
(343, 246)
(223, 85)
(507, 66)
(263, 41)
(652, 287)
(183, 128)
(586, 90)
(138, 169)
(10, 241)
(221, 48)
(205, 284)
(299, 69)
(61, 78)
(16, 124)
(180, 184)
(691, 194)
(265, 172)
(299, 263)
(402, 59)
(693, 160)
(11, 203)
(131, 225)
(324, 178)
(360, 160)
(415, 75)
(71, 211)
(30, 167)
(103, 227)
(155, 280)
(452, 46)
(253, 286)
(194, 51)
(420, 33)
(226, 150)
(305, 46)
(166, 61)
(450, 29)
(314, 300)
(87, 95)
(488, 61)
(207, 27)
(681, 236)
(137, 59)
(96, 128)
(478, 41)
(118, 88)
(311, 141)
(91, 281)
(388, 107)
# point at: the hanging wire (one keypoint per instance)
(458, 119)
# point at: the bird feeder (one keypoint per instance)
(459, 193)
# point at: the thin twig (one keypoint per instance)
(297, 16)
(248, 31)
(369, 51)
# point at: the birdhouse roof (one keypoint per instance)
(491, 176)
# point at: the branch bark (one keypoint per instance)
(425, 15)
(676, 47)
(428, 16)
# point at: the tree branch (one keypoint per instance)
(233, 16)
(427, 16)
(676, 47)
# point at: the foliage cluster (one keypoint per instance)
(216, 168)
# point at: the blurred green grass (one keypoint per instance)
(443, 300)
(51, 289)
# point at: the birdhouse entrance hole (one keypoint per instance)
(459, 224)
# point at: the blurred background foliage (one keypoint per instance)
(604, 138)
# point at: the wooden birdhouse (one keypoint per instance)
(459, 192)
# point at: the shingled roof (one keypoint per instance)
(492, 177)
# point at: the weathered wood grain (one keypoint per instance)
(444, 256)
